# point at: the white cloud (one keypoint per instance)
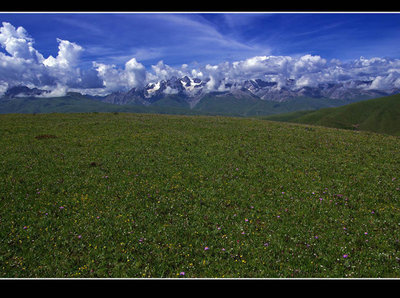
(17, 43)
(68, 55)
(133, 75)
(169, 90)
(21, 63)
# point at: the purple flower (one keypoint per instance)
(79, 236)
(62, 207)
(25, 227)
(206, 248)
(345, 256)
(266, 244)
(182, 273)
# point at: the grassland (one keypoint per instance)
(135, 195)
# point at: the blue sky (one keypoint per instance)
(178, 38)
(106, 52)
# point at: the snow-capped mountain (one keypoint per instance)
(186, 92)
(192, 90)
(187, 88)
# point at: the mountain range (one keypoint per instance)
(187, 95)
(190, 91)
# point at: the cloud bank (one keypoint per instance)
(22, 64)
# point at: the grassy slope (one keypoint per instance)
(132, 195)
(257, 107)
(380, 115)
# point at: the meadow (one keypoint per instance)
(164, 196)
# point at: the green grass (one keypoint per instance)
(142, 195)
(381, 115)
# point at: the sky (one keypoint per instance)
(110, 51)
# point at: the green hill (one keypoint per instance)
(77, 103)
(251, 106)
(211, 104)
(381, 115)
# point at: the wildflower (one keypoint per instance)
(223, 249)
(79, 236)
(345, 256)
(25, 227)
(206, 248)
(61, 207)
(246, 220)
(266, 244)
(182, 273)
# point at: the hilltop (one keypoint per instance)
(381, 115)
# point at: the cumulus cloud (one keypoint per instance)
(114, 79)
(17, 43)
(68, 55)
(22, 64)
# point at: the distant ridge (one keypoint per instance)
(381, 115)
